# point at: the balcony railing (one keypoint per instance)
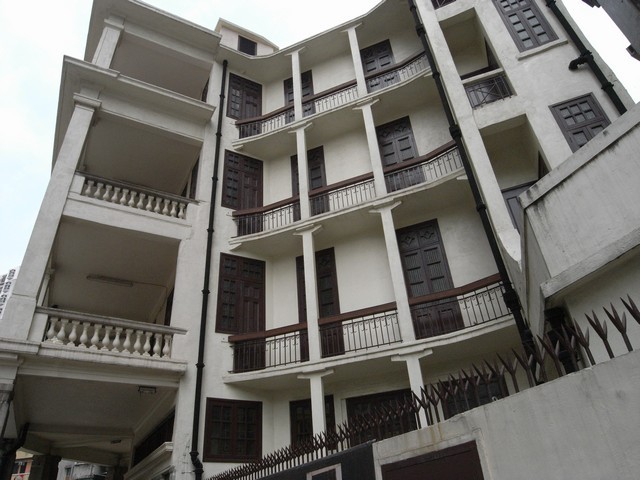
(441, 3)
(463, 307)
(359, 330)
(488, 90)
(269, 217)
(349, 332)
(397, 73)
(82, 331)
(342, 195)
(266, 123)
(426, 169)
(134, 196)
(330, 99)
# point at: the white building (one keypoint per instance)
(241, 246)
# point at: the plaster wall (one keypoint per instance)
(547, 431)
(430, 127)
(230, 39)
(346, 156)
(276, 179)
(331, 72)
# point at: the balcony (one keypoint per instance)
(117, 336)
(348, 332)
(487, 90)
(334, 98)
(267, 218)
(463, 307)
(425, 169)
(134, 196)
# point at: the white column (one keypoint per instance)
(317, 398)
(297, 85)
(106, 48)
(21, 305)
(412, 359)
(357, 60)
(310, 289)
(303, 171)
(372, 142)
(397, 274)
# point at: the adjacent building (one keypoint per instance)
(242, 246)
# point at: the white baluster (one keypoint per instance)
(132, 199)
(51, 333)
(73, 336)
(157, 349)
(116, 195)
(127, 341)
(174, 209)
(98, 191)
(84, 338)
(165, 209)
(88, 187)
(107, 193)
(166, 350)
(157, 209)
(141, 198)
(147, 344)
(106, 340)
(123, 198)
(149, 207)
(62, 335)
(138, 345)
(181, 212)
(95, 340)
(116, 340)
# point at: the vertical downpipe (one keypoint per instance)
(510, 296)
(198, 467)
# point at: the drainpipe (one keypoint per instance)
(199, 470)
(510, 296)
(586, 57)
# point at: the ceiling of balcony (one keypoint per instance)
(120, 151)
(130, 273)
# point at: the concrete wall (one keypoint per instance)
(580, 426)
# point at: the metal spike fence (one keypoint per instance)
(553, 355)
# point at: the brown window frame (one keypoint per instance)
(237, 103)
(599, 121)
(234, 455)
(301, 429)
(237, 169)
(519, 11)
(248, 46)
(230, 305)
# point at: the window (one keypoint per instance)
(376, 59)
(580, 119)
(368, 405)
(242, 183)
(525, 23)
(317, 179)
(301, 419)
(247, 46)
(426, 271)
(240, 295)
(307, 91)
(245, 98)
(233, 431)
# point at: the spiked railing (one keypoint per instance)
(553, 355)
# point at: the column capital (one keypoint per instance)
(87, 102)
(369, 102)
(351, 28)
(115, 22)
(412, 352)
(317, 372)
(297, 51)
(385, 204)
(300, 127)
(311, 228)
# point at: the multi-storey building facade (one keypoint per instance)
(241, 246)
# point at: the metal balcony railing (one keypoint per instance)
(83, 331)
(463, 307)
(488, 90)
(269, 217)
(134, 196)
(425, 169)
(342, 195)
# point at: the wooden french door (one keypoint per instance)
(307, 90)
(426, 271)
(317, 179)
(397, 144)
(378, 58)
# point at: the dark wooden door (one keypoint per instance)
(307, 91)
(376, 59)
(317, 179)
(397, 144)
(426, 271)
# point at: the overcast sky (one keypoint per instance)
(37, 33)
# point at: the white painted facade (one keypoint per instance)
(101, 338)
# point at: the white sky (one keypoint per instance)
(37, 33)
